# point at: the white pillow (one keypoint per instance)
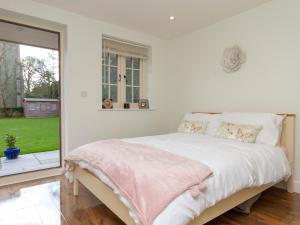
(271, 125)
(213, 120)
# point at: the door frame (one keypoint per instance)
(60, 29)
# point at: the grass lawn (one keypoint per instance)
(33, 135)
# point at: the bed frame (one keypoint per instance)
(110, 199)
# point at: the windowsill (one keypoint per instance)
(122, 109)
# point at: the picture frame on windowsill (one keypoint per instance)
(143, 104)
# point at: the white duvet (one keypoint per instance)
(235, 166)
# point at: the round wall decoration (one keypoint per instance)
(233, 59)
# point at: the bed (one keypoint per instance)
(104, 192)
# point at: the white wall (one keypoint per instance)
(268, 82)
(85, 122)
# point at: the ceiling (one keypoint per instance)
(152, 16)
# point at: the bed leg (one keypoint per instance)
(75, 187)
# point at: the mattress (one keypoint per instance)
(235, 166)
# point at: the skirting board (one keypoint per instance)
(19, 178)
(297, 186)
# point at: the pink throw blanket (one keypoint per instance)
(149, 178)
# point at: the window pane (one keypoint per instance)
(105, 74)
(53, 107)
(106, 58)
(113, 75)
(128, 77)
(31, 106)
(43, 107)
(136, 94)
(113, 59)
(104, 91)
(102, 59)
(136, 78)
(114, 93)
(128, 62)
(129, 94)
(136, 63)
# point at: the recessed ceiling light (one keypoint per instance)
(172, 18)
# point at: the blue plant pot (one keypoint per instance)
(12, 153)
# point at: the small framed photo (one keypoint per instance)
(107, 103)
(143, 104)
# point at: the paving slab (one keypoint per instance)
(29, 162)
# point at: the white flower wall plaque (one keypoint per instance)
(233, 58)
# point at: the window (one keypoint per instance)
(123, 71)
(110, 76)
(133, 84)
(32, 106)
(43, 107)
(53, 107)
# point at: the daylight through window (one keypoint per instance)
(123, 72)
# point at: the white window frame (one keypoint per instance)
(118, 103)
(122, 82)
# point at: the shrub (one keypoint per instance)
(10, 141)
(11, 112)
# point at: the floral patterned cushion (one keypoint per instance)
(227, 130)
(248, 133)
(195, 127)
(240, 132)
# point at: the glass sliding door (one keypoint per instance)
(30, 137)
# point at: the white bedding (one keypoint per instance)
(235, 166)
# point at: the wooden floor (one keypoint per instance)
(50, 202)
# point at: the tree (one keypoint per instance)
(43, 85)
(55, 90)
(44, 90)
(32, 68)
(39, 76)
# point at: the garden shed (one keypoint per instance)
(41, 107)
